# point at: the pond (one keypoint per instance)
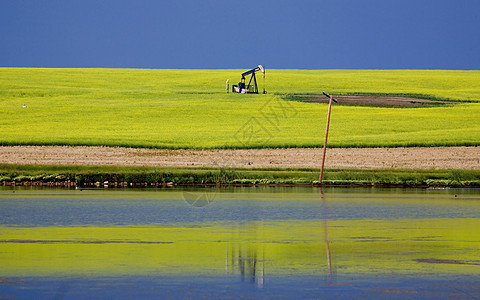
(232, 242)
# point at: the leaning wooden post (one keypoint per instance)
(326, 137)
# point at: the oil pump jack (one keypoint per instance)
(250, 88)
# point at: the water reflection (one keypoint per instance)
(325, 230)
(245, 255)
(256, 237)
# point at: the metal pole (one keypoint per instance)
(326, 137)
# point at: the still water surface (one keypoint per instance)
(287, 242)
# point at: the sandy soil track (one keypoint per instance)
(385, 158)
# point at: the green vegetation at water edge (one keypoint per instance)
(150, 176)
(191, 109)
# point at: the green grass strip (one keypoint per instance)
(134, 176)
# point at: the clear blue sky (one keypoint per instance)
(214, 34)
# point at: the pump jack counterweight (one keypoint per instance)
(251, 87)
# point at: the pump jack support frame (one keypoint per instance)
(245, 88)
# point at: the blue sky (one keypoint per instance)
(214, 34)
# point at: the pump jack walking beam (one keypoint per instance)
(242, 87)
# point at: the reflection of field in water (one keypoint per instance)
(257, 236)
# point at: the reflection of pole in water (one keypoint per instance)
(243, 257)
(325, 228)
(261, 272)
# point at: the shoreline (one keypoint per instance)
(69, 166)
(131, 177)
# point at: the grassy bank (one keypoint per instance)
(149, 176)
(190, 109)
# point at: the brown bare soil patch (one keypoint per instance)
(447, 261)
(395, 101)
(466, 158)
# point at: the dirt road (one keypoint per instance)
(385, 158)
